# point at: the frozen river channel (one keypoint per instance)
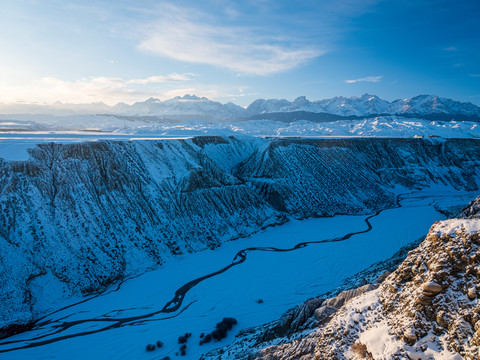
(227, 282)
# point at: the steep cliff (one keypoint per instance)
(332, 176)
(77, 217)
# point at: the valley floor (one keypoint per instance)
(95, 329)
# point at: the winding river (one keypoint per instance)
(83, 323)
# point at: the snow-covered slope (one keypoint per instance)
(107, 127)
(85, 215)
(428, 308)
(431, 104)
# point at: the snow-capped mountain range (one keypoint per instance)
(187, 105)
(368, 105)
(190, 107)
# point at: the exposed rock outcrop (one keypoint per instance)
(472, 210)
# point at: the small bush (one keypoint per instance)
(159, 344)
(150, 347)
(184, 338)
(206, 339)
(259, 301)
(221, 330)
(183, 350)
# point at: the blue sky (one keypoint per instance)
(111, 51)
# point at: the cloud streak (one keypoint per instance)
(374, 79)
(162, 79)
(85, 90)
(189, 36)
(451, 49)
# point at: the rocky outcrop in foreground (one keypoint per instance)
(428, 308)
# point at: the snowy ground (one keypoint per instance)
(14, 146)
(17, 135)
(281, 279)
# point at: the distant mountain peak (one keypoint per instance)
(188, 97)
(193, 97)
(301, 99)
(152, 100)
(369, 97)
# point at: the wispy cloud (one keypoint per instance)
(373, 79)
(189, 36)
(162, 79)
(450, 49)
(112, 90)
(475, 75)
(107, 89)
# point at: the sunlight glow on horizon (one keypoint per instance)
(229, 51)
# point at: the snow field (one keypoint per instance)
(281, 279)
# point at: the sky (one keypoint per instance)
(127, 51)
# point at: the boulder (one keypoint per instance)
(432, 287)
(472, 293)
(410, 336)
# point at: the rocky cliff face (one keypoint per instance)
(77, 217)
(472, 210)
(327, 172)
(89, 214)
(428, 308)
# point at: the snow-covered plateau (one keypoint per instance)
(23, 125)
(17, 137)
